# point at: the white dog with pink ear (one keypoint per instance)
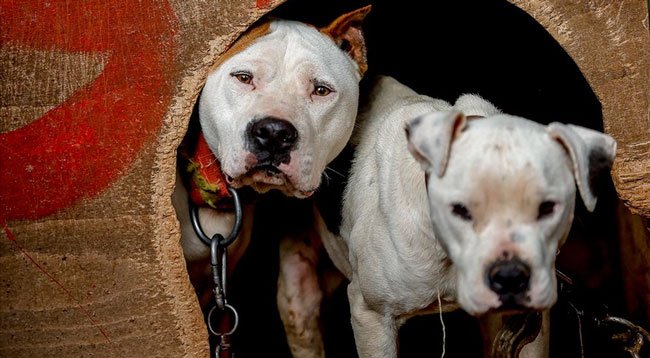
(468, 209)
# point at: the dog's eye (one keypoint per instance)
(321, 90)
(243, 77)
(461, 211)
(545, 209)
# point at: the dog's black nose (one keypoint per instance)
(273, 135)
(508, 278)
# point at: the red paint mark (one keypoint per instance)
(79, 148)
(40, 267)
(262, 4)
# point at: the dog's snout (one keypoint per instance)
(273, 134)
(508, 278)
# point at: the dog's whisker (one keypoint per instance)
(327, 178)
(334, 171)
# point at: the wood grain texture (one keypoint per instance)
(105, 276)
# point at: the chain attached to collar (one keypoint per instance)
(219, 261)
(194, 218)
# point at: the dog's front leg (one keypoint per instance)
(299, 295)
(375, 333)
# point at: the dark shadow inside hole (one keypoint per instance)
(444, 49)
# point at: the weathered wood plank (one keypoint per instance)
(95, 267)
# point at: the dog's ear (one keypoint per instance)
(591, 152)
(347, 34)
(430, 136)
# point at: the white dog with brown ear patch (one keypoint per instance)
(279, 105)
(467, 212)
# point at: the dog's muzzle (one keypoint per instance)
(271, 140)
(510, 280)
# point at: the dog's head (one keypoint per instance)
(502, 194)
(282, 102)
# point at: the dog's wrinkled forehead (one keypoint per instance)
(509, 153)
(293, 44)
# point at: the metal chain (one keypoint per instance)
(631, 338)
(219, 262)
(223, 344)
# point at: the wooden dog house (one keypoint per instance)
(95, 99)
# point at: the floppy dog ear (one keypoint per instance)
(590, 151)
(347, 34)
(429, 138)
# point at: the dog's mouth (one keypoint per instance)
(267, 174)
(512, 304)
(269, 169)
(264, 177)
(510, 309)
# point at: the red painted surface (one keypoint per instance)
(80, 147)
(262, 4)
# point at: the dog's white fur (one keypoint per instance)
(403, 242)
(287, 63)
(282, 69)
(284, 63)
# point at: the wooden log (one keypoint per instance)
(96, 96)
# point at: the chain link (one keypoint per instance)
(219, 262)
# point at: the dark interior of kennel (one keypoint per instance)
(487, 47)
